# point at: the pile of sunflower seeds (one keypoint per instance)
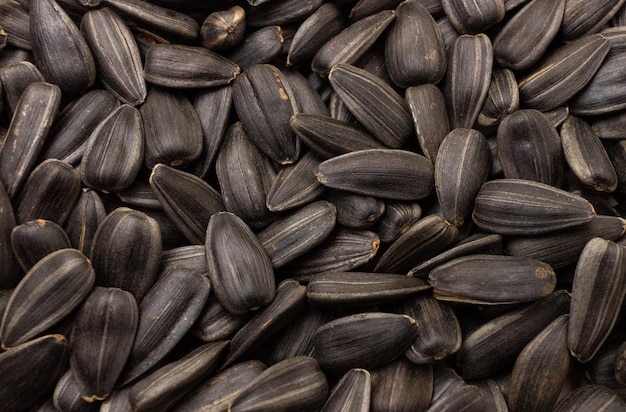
(305, 205)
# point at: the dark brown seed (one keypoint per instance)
(356, 211)
(32, 241)
(540, 370)
(59, 48)
(364, 8)
(414, 49)
(281, 12)
(597, 295)
(114, 152)
(466, 398)
(563, 73)
(352, 42)
(582, 18)
(365, 340)
(164, 387)
(397, 219)
(66, 275)
(10, 273)
(492, 279)
(493, 395)
(245, 176)
(494, 346)
(182, 67)
(351, 394)
(84, 219)
(424, 239)
(259, 47)
(529, 147)
(523, 207)
(610, 126)
(617, 154)
(385, 173)
(428, 109)
(117, 401)
(221, 30)
(16, 77)
(361, 288)
(50, 193)
(126, 250)
(27, 132)
(73, 126)
(314, 32)
(186, 199)
(591, 397)
(117, 57)
(293, 384)
(15, 19)
(240, 271)
(438, 333)
(215, 322)
(401, 386)
(502, 98)
(468, 77)
(525, 37)
(461, 167)
(160, 19)
(586, 156)
(102, 338)
(295, 185)
(471, 16)
(290, 300)
(448, 32)
(66, 396)
(264, 103)
(562, 248)
(217, 392)
(191, 256)
(165, 315)
(308, 98)
(36, 366)
(376, 105)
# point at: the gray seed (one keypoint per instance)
(351, 394)
(471, 16)
(401, 386)
(32, 241)
(221, 30)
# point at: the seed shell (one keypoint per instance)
(308, 98)
(280, 12)
(16, 77)
(102, 338)
(66, 396)
(10, 273)
(502, 98)
(84, 219)
(461, 398)
(65, 274)
(591, 398)
(581, 17)
(15, 20)
(351, 394)
(473, 16)
(223, 29)
(356, 211)
(215, 322)
(393, 382)
(397, 219)
(261, 46)
(32, 241)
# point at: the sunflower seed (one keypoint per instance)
(16, 77)
(597, 295)
(259, 47)
(65, 274)
(473, 16)
(581, 18)
(591, 398)
(32, 241)
(397, 219)
(10, 273)
(66, 396)
(466, 398)
(117, 401)
(15, 19)
(215, 322)
(102, 339)
(221, 30)
(60, 50)
(356, 211)
(351, 394)
(502, 98)
(281, 12)
(309, 100)
(84, 219)
(401, 386)
(114, 47)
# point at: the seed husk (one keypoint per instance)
(126, 250)
(591, 398)
(102, 338)
(586, 156)
(117, 401)
(473, 16)
(114, 152)
(610, 126)
(27, 132)
(295, 185)
(293, 384)
(365, 340)
(170, 383)
(352, 42)
(10, 273)
(401, 386)
(493, 395)
(496, 344)
(66, 396)
(375, 104)
(281, 12)
(597, 295)
(563, 73)
(224, 29)
(439, 331)
(240, 270)
(298, 232)
(581, 18)
(397, 219)
(349, 289)
(314, 32)
(32, 241)
(428, 109)
(502, 98)
(466, 398)
(245, 176)
(541, 369)
(195, 67)
(217, 393)
(386, 173)
(351, 394)
(526, 36)
(307, 96)
(215, 322)
(290, 300)
(36, 366)
(424, 239)
(84, 219)
(186, 199)
(261, 46)
(115, 51)
(509, 279)
(414, 49)
(65, 274)
(356, 211)
(461, 167)
(264, 103)
(529, 147)
(191, 256)
(16, 77)
(165, 315)
(15, 20)
(524, 207)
